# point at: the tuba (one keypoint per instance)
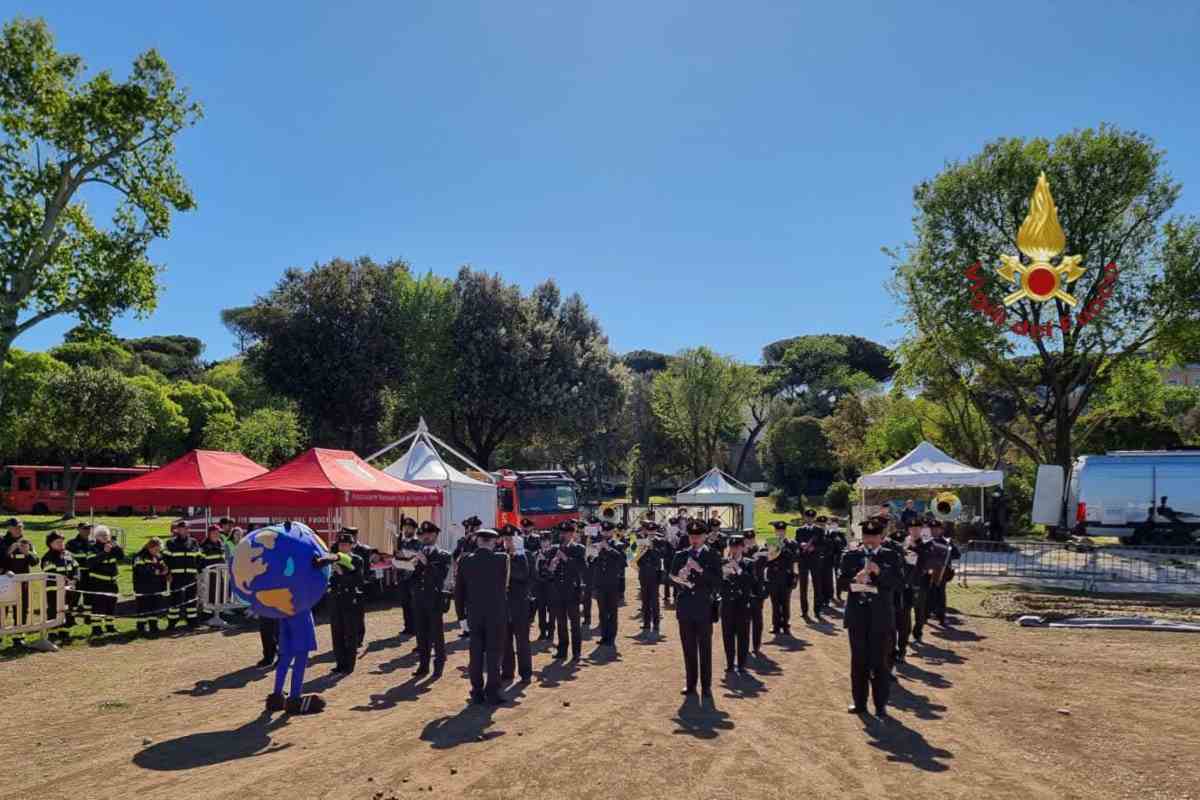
(946, 506)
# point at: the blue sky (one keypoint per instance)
(702, 173)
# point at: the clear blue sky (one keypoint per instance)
(701, 172)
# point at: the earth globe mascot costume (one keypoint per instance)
(281, 571)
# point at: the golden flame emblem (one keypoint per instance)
(1041, 239)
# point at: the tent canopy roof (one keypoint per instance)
(927, 467)
(423, 464)
(321, 478)
(186, 481)
(715, 482)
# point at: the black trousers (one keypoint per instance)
(920, 606)
(756, 624)
(182, 600)
(735, 634)
(431, 635)
(937, 602)
(696, 640)
(566, 619)
(343, 628)
(870, 653)
(826, 582)
(405, 593)
(586, 604)
(904, 618)
(460, 608)
(268, 632)
(667, 591)
(651, 610)
(487, 650)
(104, 605)
(781, 600)
(544, 617)
(809, 574)
(608, 598)
(148, 606)
(517, 656)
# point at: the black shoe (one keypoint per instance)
(853, 709)
(745, 673)
(437, 670)
(275, 702)
(688, 693)
(265, 662)
(422, 671)
(507, 678)
(729, 668)
(308, 704)
(916, 641)
(477, 697)
(561, 655)
(97, 630)
(707, 697)
(882, 715)
(110, 628)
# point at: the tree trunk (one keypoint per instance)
(70, 482)
(750, 440)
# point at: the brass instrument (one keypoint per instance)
(946, 506)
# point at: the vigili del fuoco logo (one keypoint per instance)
(1042, 272)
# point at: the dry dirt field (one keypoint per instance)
(978, 714)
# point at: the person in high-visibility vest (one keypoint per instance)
(81, 548)
(150, 585)
(59, 561)
(213, 551)
(182, 555)
(104, 564)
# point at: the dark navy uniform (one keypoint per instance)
(608, 568)
(652, 558)
(430, 601)
(871, 622)
(483, 585)
(563, 567)
(517, 657)
(810, 543)
(62, 563)
(150, 587)
(758, 555)
(780, 574)
(694, 612)
(81, 548)
(407, 546)
(345, 582)
(739, 587)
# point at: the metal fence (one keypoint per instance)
(1091, 565)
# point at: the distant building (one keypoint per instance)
(1184, 375)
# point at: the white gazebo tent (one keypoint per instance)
(927, 467)
(717, 487)
(463, 496)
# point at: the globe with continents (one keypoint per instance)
(272, 571)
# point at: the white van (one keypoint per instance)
(1142, 497)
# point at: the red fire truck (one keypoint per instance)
(26, 489)
(545, 496)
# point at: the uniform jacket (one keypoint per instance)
(183, 559)
(520, 580)
(608, 566)
(63, 563)
(149, 573)
(13, 560)
(741, 589)
(695, 604)
(483, 586)
(429, 579)
(876, 610)
(104, 565)
(565, 580)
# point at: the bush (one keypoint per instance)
(837, 496)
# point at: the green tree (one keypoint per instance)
(762, 404)
(23, 377)
(895, 428)
(524, 366)
(199, 404)
(176, 357)
(243, 385)
(167, 429)
(85, 413)
(270, 436)
(64, 137)
(97, 354)
(793, 446)
(812, 372)
(1114, 200)
(699, 400)
(220, 432)
(846, 431)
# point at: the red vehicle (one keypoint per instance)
(545, 496)
(26, 489)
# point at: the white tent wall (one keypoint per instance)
(716, 487)
(462, 495)
(927, 467)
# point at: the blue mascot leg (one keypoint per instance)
(301, 661)
(281, 669)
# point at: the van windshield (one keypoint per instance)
(547, 498)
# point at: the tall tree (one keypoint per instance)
(62, 136)
(84, 413)
(167, 428)
(699, 400)
(270, 436)
(199, 403)
(762, 402)
(1114, 198)
(793, 446)
(814, 371)
(23, 376)
(524, 365)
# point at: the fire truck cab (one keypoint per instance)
(545, 496)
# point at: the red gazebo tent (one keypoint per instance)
(320, 478)
(319, 485)
(186, 481)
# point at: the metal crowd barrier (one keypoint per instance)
(24, 601)
(1089, 564)
(216, 595)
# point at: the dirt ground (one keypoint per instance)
(978, 713)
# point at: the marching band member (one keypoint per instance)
(697, 574)
(463, 548)
(780, 578)
(653, 554)
(608, 567)
(344, 601)
(758, 556)
(591, 535)
(483, 582)
(810, 542)
(430, 600)
(517, 658)
(563, 567)
(739, 587)
(871, 573)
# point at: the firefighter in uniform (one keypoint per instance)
(212, 552)
(150, 586)
(871, 574)
(59, 561)
(182, 555)
(18, 557)
(345, 581)
(430, 600)
(104, 564)
(81, 548)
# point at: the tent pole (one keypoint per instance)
(391, 446)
